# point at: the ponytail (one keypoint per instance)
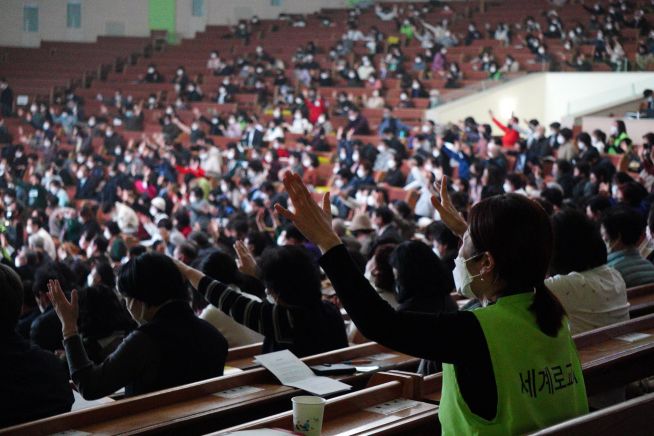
(548, 310)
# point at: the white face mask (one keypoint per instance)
(507, 187)
(361, 173)
(581, 145)
(560, 139)
(462, 278)
(614, 130)
(338, 183)
(90, 279)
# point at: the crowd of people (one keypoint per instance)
(137, 263)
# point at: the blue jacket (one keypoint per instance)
(393, 124)
(462, 160)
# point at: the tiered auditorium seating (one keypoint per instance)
(55, 66)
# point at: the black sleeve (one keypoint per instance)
(450, 337)
(455, 338)
(127, 363)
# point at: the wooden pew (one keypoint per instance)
(243, 357)
(610, 363)
(350, 414)
(633, 417)
(197, 408)
(641, 300)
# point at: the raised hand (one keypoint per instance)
(313, 221)
(67, 311)
(245, 261)
(449, 215)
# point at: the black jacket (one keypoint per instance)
(34, 382)
(45, 331)
(173, 349)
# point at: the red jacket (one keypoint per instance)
(316, 108)
(196, 172)
(510, 136)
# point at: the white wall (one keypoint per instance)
(132, 14)
(547, 97)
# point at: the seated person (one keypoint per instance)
(221, 266)
(104, 321)
(34, 382)
(622, 229)
(503, 260)
(171, 346)
(592, 293)
(294, 317)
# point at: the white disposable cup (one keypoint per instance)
(307, 414)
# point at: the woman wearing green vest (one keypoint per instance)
(618, 135)
(508, 368)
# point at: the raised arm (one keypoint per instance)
(371, 314)
(271, 320)
(125, 365)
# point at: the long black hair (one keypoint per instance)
(518, 233)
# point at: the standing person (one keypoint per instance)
(6, 98)
(490, 355)
(171, 346)
(511, 134)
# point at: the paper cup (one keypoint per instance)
(307, 414)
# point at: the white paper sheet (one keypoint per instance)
(291, 371)
(633, 337)
(80, 403)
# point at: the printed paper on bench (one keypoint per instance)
(633, 337)
(291, 371)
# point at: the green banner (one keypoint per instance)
(162, 15)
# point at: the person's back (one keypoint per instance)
(592, 293)
(535, 374)
(190, 349)
(294, 317)
(34, 382)
(593, 298)
(315, 331)
(622, 229)
(170, 348)
(635, 269)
